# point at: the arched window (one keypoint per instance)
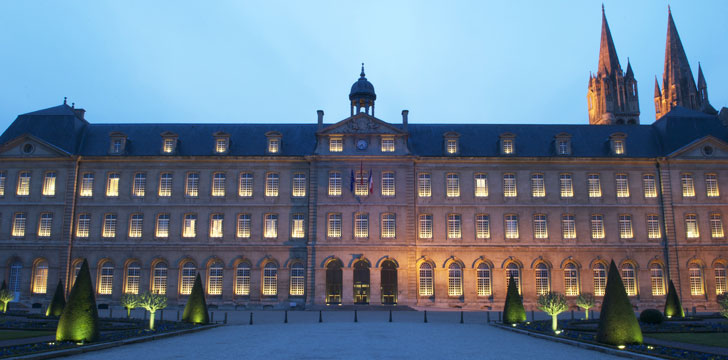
(14, 277)
(600, 279)
(106, 278)
(159, 278)
(426, 280)
(270, 279)
(484, 287)
(242, 279)
(512, 271)
(542, 279)
(214, 278)
(297, 279)
(40, 277)
(721, 286)
(76, 269)
(696, 279)
(455, 280)
(187, 278)
(657, 280)
(333, 282)
(133, 274)
(571, 280)
(629, 279)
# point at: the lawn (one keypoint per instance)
(709, 339)
(21, 334)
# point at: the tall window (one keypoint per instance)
(542, 279)
(540, 230)
(334, 183)
(109, 229)
(3, 179)
(23, 188)
(389, 225)
(297, 280)
(691, 226)
(509, 185)
(216, 222)
(649, 185)
(426, 280)
(388, 183)
(106, 278)
(334, 226)
(600, 279)
(618, 146)
(135, 225)
(361, 184)
(189, 227)
(721, 285)
(538, 188)
(242, 279)
(511, 226)
(454, 226)
(87, 185)
(192, 185)
(688, 185)
(597, 226)
(83, 225)
(245, 188)
(162, 228)
(595, 186)
(424, 185)
(563, 146)
(507, 146)
(168, 145)
(512, 271)
(133, 274)
(220, 145)
(45, 224)
(40, 277)
(452, 185)
(243, 226)
(696, 279)
(716, 226)
(711, 185)
(272, 181)
(568, 226)
(571, 280)
(454, 280)
(270, 226)
(481, 185)
(140, 184)
(482, 226)
(165, 185)
(657, 280)
(112, 185)
(387, 144)
(49, 183)
(622, 186)
(159, 279)
(187, 279)
(336, 144)
(625, 227)
(566, 185)
(361, 225)
(274, 145)
(214, 279)
(299, 185)
(425, 225)
(484, 280)
(452, 146)
(653, 227)
(19, 222)
(218, 184)
(270, 280)
(297, 226)
(629, 279)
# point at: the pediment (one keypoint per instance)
(29, 146)
(708, 147)
(361, 124)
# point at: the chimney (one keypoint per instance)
(80, 113)
(405, 113)
(320, 119)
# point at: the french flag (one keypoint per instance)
(351, 184)
(371, 182)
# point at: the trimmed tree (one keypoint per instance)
(586, 302)
(723, 302)
(513, 311)
(553, 304)
(58, 302)
(196, 307)
(673, 306)
(617, 322)
(129, 302)
(80, 319)
(152, 302)
(6, 296)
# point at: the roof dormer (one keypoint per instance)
(507, 143)
(618, 143)
(273, 143)
(451, 143)
(169, 143)
(562, 144)
(117, 143)
(222, 143)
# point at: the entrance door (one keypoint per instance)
(361, 283)
(333, 282)
(389, 283)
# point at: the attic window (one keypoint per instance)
(452, 144)
(336, 144)
(274, 142)
(508, 144)
(708, 150)
(563, 144)
(169, 143)
(618, 143)
(387, 144)
(222, 142)
(118, 143)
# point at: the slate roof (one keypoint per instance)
(58, 126)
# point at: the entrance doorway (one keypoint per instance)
(333, 282)
(389, 283)
(361, 282)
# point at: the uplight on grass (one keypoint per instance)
(620, 347)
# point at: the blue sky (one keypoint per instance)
(279, 61)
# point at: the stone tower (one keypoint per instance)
(678, 84)
(612, 94)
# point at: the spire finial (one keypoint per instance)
(362, 70)
(668, 9)
(64, 100)
(602, 8)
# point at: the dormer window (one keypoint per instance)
(169, 143)
(336, 144)
(618, 143)
(452, 144)
(274, 142)
(222, 142)
(563, 144)
(508, 144)
(116, 146)
(118, 143)
(387, 144)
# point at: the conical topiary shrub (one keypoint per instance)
(673, 306)
(617, 322)
(196, 307)
(513, 311)
(58, 302)
(80, 319)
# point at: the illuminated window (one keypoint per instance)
(221, 145)
(542, 279)
(657, 280)
(568, 226)
(274, 145)
(112, 185)
(334, 226)
(140, 183)
(116, 145)
(334, 183)
(597, 226)
(168, 145)
(696, 280)
(165, 185)
(3, 179)
(511, 226)
(653, 227)
(162, 228)
(721, 285)
(49, 183)
(245, 188)
(109, 229)
(571, 280)
(361, 225)
(135, 225)
(159, 279)
(481, 185)
(189, 226)
(272, 181)
(509, 185)
(618, 146)
(389, 225)
(454, 280)
(218, 184)
(242, 279)
(622, 186)
(507, 145)
(512, 271)
(45, 224)
(243, 228)
(361, 184)
(484, 280)
(388, 183)
(595, 186)
(452, 146)
(106, 278)
(83, 225)
(297, 280)
(270, 280)
(482, 226)
(566, 185)
(424, 185)
(425, 225)
(40, 277)
(538, 188)
(187, 278)
(270, 226)
(192, 185)
(133, 274)
(563, 146)
(23, 188)
(649, 185)
(716, 226)
(87, 185)
(454, 226)
(214, 279)
(629, 279)
(336, 144)
(625, 227)
(387, 144)
(297, 228)
(426, 280)
(688, 186)
(299, 185)
(540, 228)
(711, 185)
(691, 226)
(216, 225)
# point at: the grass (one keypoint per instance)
(709, 339)
(22, 334)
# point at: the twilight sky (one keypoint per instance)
(280, 61)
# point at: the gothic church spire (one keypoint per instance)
(608, 60)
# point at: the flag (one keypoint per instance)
(371, 182)
(351, 183)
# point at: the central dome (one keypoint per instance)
(362, 88)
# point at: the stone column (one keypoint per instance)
(470, 286)
(256, 288)
(347, 284)
(375, 286)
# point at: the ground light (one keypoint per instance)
(557, 332)
(620, 347)
(650, 347)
